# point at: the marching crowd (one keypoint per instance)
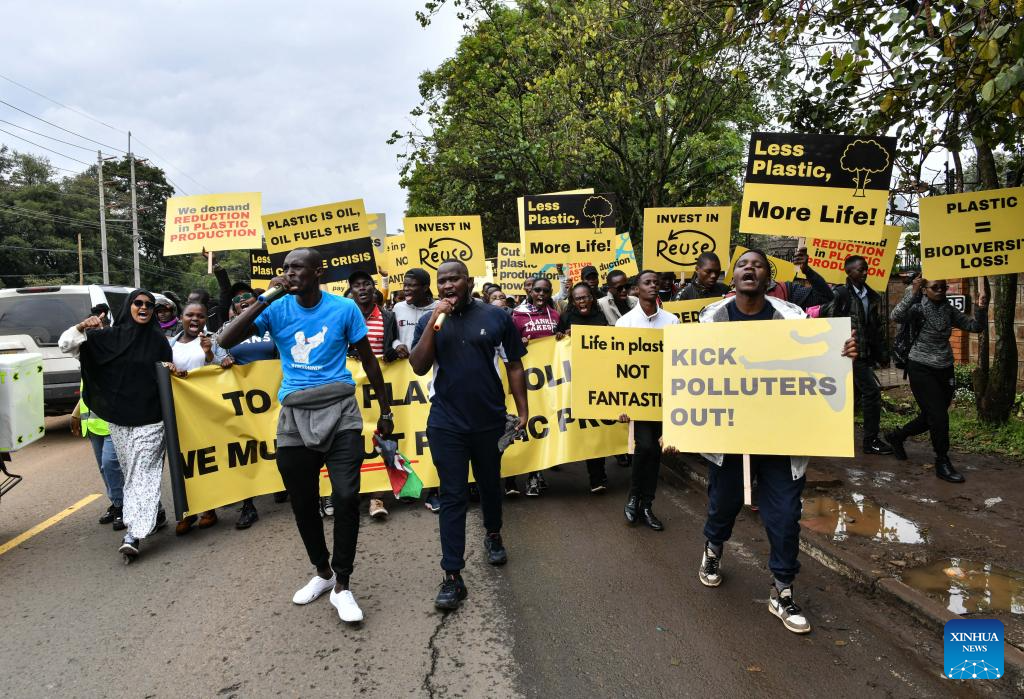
(460, 337)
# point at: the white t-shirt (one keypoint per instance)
(636, 318)
(188, 355)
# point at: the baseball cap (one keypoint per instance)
(587, 271)
(360, 274)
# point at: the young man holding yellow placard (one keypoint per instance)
(780, 478)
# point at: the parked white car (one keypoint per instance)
(32, 320)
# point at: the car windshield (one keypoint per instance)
(42, 316)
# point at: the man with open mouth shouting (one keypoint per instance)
(320, 420)
(467, 413)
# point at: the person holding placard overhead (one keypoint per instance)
(780, 478)
(646, 433)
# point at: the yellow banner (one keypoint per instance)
(316, 225)
(675, 237)
(212, 222)
(829, 186)
(759, 387)
(688, 311)
(436, 239)
(632, 388)
(782, 271)
(829, 256)
(973, 234)
(227, 424)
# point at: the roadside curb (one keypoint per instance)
(682, 469)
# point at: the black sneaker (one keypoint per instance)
(877, 446)
(130, 546)
(113, 513)
(452, 592)
(710, 573)
(598, 488)
(781, 604)
(532, 487)
(511, 487)
(161, 519)
(497, 555)
(281, 496)
(623, 460)
(118, 523)
(541, 482)
(248, 516)
(896, 442)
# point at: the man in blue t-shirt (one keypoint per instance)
(467, 413)
(320, 420)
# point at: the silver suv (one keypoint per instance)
(32, 320)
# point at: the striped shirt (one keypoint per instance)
(375, 331)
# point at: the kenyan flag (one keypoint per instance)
(404, 481)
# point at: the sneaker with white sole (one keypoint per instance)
(345, 603)
(313, 589)
(710, 572)
(326, 506)
(377, 510)
(781, 604)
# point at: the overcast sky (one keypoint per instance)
(294, 100)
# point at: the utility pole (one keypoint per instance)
(103, 219)
(81, 274)
(135, 215)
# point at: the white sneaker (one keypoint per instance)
(781, 604)
(377, 510)
(710, 573)
(345, 603)
(313, 589)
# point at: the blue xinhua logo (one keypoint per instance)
(973, 649)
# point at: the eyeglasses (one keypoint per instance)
(241, 297)
(937, 287)
(138, 303)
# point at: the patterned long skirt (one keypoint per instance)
(141, 453)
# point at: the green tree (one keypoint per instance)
(940, 75)
(650, 100)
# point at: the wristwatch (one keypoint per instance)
(390, 417)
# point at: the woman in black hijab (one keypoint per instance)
(120, 385)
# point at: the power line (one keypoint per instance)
(37, 133)
(61, 104)
(57, 126)
(57, 218)
(173, 167)
(39, 145)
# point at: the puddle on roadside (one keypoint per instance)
(858, 516)
(968, 587)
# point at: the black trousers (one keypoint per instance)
(452, 453)
(595, 469)
(778, 501)
(646, 460)
(300, 471)
(870, 395)
(933, 390)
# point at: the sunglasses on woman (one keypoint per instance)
(241, 297)
(139, 303)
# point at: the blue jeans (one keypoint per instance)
(778, 502)
(110, 468)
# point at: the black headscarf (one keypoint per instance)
(119, 367)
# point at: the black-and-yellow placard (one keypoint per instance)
(341, 259)
(563, 228)
(315, 225)
(973, 234)
(675, 237)
(829, 186)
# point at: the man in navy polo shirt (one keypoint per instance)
(467, 413)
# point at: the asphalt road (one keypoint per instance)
(587, 607)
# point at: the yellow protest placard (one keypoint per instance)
(973, 234)
(828, 257)
(687, 311)
(237, 460)
(829, 186)
(433, 240)
(563, 228)
(398, 260)
(741, 388)
(212, 222)
(510, 267)
(675, 237)
(782, 271)
(316, 225)
(625, 261)
(377, 224)
(616, 371)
